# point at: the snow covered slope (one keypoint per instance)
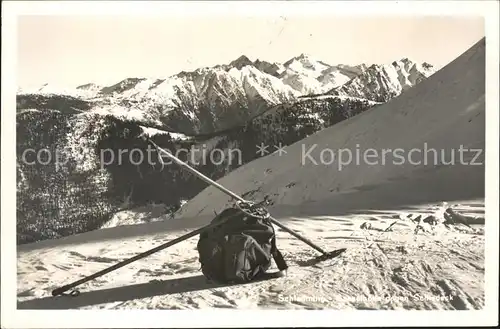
(89, 90)
(86, 91)
(393, 270)
(215, 98)
(444, 112)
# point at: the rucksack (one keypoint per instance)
(241, 249)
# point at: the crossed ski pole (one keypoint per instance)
(324, 255)
(234, 196)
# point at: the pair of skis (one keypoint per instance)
(249, 205)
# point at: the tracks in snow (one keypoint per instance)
(380, 270)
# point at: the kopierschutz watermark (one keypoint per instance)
(314, 155)
(309, 155)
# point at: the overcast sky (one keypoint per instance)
(73, 50)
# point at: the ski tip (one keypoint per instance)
(57, 292)
(331, 254)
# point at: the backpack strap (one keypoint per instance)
(278, 258)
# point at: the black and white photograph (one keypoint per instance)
(231, 158)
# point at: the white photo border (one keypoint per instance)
(13, 318)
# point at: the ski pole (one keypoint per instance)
(234, 196)
(60, 290)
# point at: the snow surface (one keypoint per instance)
(419, 265)
(379, 270)
(341, 97)
(149, 131)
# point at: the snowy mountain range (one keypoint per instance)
(216, 98)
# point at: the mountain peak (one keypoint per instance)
(241, 62)
(303, 56)
(405, 61)
(274, 69)
(306, 61)
(243, 58)
(88, 86)
(426, 65)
